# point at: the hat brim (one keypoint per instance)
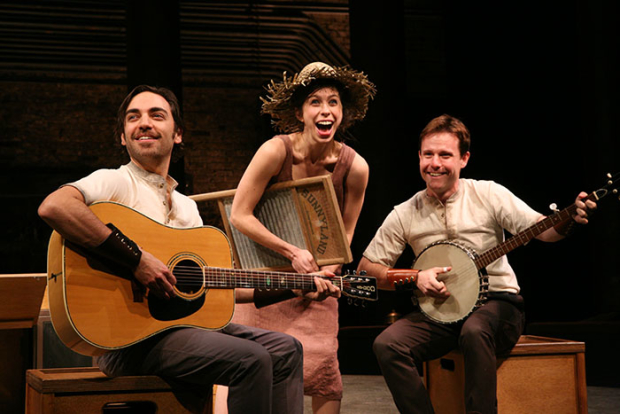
(280, 105)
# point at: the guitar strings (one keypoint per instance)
(192, 275)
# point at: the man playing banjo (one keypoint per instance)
(472, 215)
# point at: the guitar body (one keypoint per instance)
(467, 285)
(93, 305)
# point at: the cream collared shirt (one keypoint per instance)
(143, 191)
(476, 216)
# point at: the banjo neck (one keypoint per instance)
(531, 232)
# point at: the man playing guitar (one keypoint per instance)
(263, 369)
(473, 215)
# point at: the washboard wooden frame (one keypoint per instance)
(303, 212)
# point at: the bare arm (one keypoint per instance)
(244, 295)
(377, 271)
(354, 194)
(266, 163)
(355, 190)
(66, 212)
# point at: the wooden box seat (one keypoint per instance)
(88, 390)
(540, 375)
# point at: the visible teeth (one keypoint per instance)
(144, 138)
(435, 174)
(325, 123)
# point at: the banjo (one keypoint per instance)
(467, 281)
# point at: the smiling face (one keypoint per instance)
(441, 163)
(149, 132)
(321, 114)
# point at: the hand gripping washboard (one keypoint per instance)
(302, 212)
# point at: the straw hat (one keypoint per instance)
(281, 101)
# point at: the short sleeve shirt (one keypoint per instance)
(476, 216)
(143, 191)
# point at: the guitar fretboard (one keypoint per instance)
(224, 278)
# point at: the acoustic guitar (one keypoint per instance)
(97, 306)
(467, 281)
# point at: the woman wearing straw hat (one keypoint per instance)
(311, 109)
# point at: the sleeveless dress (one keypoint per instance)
(313, 323)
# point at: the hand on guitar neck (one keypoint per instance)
(427, 281)
(324, 288)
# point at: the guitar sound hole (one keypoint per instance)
(189, 276)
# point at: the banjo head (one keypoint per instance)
(463, 281)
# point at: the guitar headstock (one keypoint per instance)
(359, 286)
(611, 186)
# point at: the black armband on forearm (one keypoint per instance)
(120, 249)
(566, 228)
(264, 298)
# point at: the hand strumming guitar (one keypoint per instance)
(155, 275)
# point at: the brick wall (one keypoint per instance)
(224, 130)
(57, 126)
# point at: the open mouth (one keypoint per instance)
(324, 128)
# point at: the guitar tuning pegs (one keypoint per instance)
(608, 175)
(553, 207)
(355, 302)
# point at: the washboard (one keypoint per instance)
(303, 212)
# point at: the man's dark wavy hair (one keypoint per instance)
(166, 93)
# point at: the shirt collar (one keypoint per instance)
(152, 177)
(453, 198)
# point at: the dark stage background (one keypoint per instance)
(536, 83)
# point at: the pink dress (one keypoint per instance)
(315, 324)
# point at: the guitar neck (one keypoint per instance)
(528, 234)
(225, 278)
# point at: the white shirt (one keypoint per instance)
(143, 191)
(476, 215)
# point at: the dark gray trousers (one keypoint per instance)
(492, 329)
(263, 369)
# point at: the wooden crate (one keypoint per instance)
(88, 390)
(20, 301)
(540, 375)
